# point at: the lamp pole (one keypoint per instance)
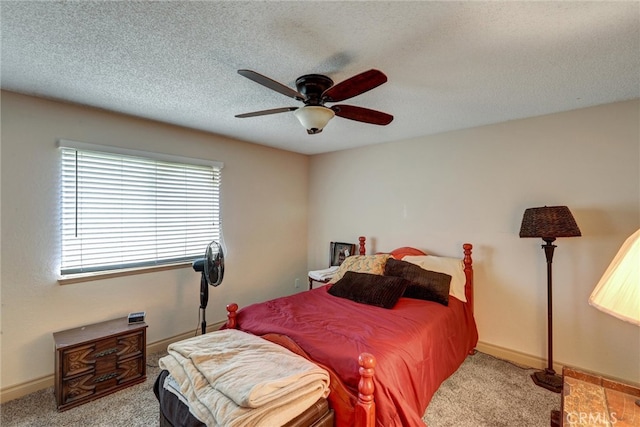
(548, 251)
(548, 378)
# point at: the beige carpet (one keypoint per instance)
(484, 392)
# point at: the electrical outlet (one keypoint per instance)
(297, 283)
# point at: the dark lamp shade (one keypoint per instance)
(549, 222)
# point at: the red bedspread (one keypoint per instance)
(417, 344)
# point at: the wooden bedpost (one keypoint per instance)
(231, 315)
(468, 272)
(365, 410)
(361, 239)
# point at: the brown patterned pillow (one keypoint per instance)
(372, 289)
(423, 284)
(372, 264)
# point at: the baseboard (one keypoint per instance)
(535, 362)
(517, 357)
(19, 390)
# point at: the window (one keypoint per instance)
(126, 209)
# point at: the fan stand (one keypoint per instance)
(204, 299)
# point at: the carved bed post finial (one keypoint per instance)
(231, 315)
(468, 272)
(365, 410)
(361, 239)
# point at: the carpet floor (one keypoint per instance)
(483, 392)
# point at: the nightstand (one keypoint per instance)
(311, 280)
(98, 359)
(322, 276)
(588, 399)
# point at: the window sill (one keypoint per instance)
(88, 277)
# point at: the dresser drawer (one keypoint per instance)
(74, 390)
(110, 374)
(78, 360)
(81, 359)
(131, 370)
(131, 345)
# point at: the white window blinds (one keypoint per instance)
(124, 211)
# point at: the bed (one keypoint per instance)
(385, 364)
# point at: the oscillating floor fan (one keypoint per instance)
(212, 268)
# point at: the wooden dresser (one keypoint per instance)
(98, 359)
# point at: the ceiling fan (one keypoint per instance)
(314, 90)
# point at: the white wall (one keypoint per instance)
(264, 212)
(438, 192)
(433, 192)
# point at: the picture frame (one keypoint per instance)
(339, 251)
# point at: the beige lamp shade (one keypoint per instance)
(618, 292)
(314, 117)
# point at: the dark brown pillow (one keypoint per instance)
(423, 284)
(372, 289)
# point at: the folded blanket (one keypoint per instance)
(232, 378)
(325, 274)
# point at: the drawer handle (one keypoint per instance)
(105, 377)
(106, 352)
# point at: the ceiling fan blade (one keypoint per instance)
(272, 84)
(361, 114)
(265, 112)
(354, 86)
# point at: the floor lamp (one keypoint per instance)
(618, 291)
(549, 223)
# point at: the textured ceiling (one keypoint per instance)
(450, 65)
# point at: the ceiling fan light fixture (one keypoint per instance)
(314, 117)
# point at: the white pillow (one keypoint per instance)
(454, 267)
